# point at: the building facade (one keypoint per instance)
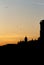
(42, 29)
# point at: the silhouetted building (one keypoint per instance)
(42, 29)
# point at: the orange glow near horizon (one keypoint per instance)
(8, 39)
(20, 18)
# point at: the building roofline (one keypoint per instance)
(42, 21)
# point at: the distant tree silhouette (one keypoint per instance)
(25, 39)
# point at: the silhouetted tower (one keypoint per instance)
(26, 39)
(42, 29)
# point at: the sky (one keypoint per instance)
(20, 18)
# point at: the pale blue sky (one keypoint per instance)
(21, 17)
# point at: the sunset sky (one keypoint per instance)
(20, 18)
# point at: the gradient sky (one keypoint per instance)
(19, 18)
